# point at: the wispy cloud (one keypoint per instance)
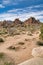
(21, 13)
(11, 16)
(11, 2)
(2, 6)
(5, 2)
(26, 9)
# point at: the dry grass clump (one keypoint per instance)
(14, 48)
(17, 46)
(21, 43)
(5, 60)
(8, 63)
(16, 33)
(40, 43)
(1, 40)
(1, 55)
(30, 34)
(27, 39)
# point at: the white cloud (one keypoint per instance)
(12, 16)
(2, 6)
(22, 14)
(26, 9)
(11, 2)
(14, 10)
(6, 2)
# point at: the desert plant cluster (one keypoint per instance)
(18, 39)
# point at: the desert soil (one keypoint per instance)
(22, 54)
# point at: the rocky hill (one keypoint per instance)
(29, 21)
(17, 21)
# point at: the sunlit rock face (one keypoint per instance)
(37, 52)
(17, 21)
(33, 61)
(31, 20)
(37, 57)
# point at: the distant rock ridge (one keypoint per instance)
(17, 21)
(29, 21)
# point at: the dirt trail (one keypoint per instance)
(22, 54)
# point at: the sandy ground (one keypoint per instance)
(24, 53)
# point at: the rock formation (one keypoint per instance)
(31, 20)
(9, 23)
(17, 21)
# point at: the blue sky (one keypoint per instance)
(22, 9)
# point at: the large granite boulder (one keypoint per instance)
(38, 57)
(33, 61)
(37, 52)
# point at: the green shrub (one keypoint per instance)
(7, 63)
(41, 30)
(1, 55)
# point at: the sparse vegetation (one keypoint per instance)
(1, 40)
(8, 63)
(21, 43)
(26, 39)
(30, 34)
(1, 55)
(40, 43)
(11, 47)
(41, 30)
(14, 48)
(20, 38)
(17, 34)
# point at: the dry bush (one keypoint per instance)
(1, 40)
(8, 63)
(21, 43)
(14, 48)
(5, 60)
(16, 33)
(1, 55)
(40, 43)
(27, 39)
(41, 30)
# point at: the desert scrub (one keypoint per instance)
(41, 30)
(1, 40)
(1, 55)
(16, 33)
(11, 47)
(3, 31)
(30, 34)
(21, 43)
(14, 48)
(26, 39)
(8, 63)
(40, 43)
